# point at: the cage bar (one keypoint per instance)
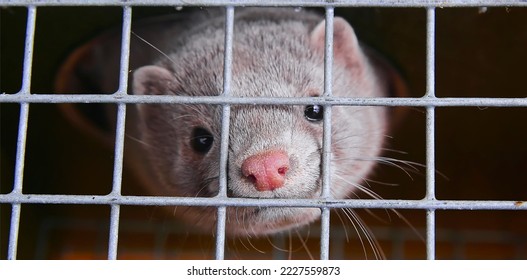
(430, 132)
(120, 133)
(22, 132)
(115, 200)
(326, 141)
(274, 3)
(225, 123)
(232, 100)
(249, 202)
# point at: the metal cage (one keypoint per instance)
(429, 204)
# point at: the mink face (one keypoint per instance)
(274, 151)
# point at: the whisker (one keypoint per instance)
(380, 182)
(377, 217)
(204, 184)
(237, 215)
(275, 246)
(367, 191)
(154, 47)
(377, 250)
(360, 187)
(401, 216)
(370, 193)
(394, 151)
(352, 221)
(138, 140)
(253, 246)
(236, 252)
(243, 244)
(343, 226)
(406, 166)
(390, 162)
(304, 244)
(337, 137)
(183, 116)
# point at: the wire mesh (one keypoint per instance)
(429, 101)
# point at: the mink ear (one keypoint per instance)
(150, 80)
(345, 44)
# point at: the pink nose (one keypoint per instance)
(266, 170)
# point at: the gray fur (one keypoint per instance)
(277, 52)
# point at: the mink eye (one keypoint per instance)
(314, 113)
(201, 140)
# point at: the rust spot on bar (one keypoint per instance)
(519, 203)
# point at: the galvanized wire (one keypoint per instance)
(430, 133)
(120, 133)
(22, 133)
(274, 3)
(252, 202)
(221, 100)
(326, 137)
(429, 101)
(225, 125)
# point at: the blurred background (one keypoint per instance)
(481, 152)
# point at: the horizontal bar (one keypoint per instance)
(251, 202)
(318, 3)
(222, 100)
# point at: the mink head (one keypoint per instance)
(274, 151)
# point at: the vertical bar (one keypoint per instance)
(117, 180)
(430, 133)
(430, 182)
(21, 148)
(430, 52)
(22, 133)
(326, 145)
(125, 50)
(430, 153)
(225, 122)
(121, 107)
(119, 134)
(220, 233)
(430, 235)
(115, 211)
(24, 107)
(324, 233)
(13, 231)
(28, 50)
(227, 77)
(19, 177)
(328, 52)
